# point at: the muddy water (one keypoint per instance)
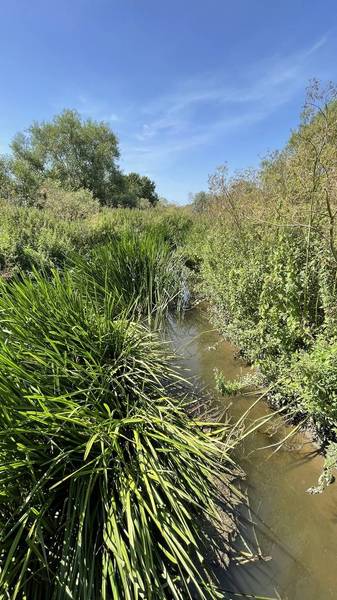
(297, 530)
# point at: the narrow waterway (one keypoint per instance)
(297, 530)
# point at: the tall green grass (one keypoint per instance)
(137, 269)
(105, 482)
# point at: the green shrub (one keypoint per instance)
(312, 379)
(231, 279)
(267, 294)
(274, 295)
(67, 205)
(29, 237)
(227, 387)
(70, 222)
(32, 238)
(232, 387)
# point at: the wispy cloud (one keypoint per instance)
(88, 107)
(96, 110)
(201, 110)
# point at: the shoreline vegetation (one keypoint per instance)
(110, 486)
(262, 249)
(106, 476)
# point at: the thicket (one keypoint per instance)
(46, 238)
(264, 247)
(104, 479)
(111, 484)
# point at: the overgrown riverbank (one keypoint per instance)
(106, 473)
(107, 480)
(263, 254)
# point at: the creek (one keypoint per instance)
(297, 530)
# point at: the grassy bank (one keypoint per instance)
(106, 483)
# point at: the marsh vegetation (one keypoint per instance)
(108, 470)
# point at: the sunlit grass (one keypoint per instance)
(136, 269)
(105, 482)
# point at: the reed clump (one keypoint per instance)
(105, 482)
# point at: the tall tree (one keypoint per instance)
(78, 153)
(141, 188)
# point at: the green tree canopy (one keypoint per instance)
(77, 155)
(142, 188)
(80, 154)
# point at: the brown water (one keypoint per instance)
(298, 530)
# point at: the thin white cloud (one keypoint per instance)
(96, 110)
(88, 108)
(203, 110)
(316, 46)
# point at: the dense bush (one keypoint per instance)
(270, 296)
(67, 205)
(138, 269)
(45, 237)
(312, 380)
(264, 250)
(231, 279)
(30, 238)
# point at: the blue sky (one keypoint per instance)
(186, 84)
